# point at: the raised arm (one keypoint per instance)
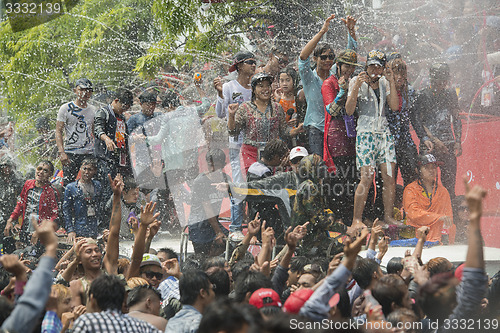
(392, 99)
(148, 216)
(112, 246)
(474, 198)
(311, 45)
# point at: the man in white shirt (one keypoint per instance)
(236, 91)
(368, 93)
(76, 118)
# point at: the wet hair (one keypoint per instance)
(219, 277)
(293, 74)
(90, 161)
(363, 271)
(215, 156)
(170, 99)
(270, 311)
(223, 315)
(49, 164)
(124, 96)
(140, 294)
(240, 266)
(401, 316)
(438, 265)
(147, 97)
(437, 297)
(399, 65)
(193, 262)
(388, 290)
(62, 291)
(322, 48)
(129, 184)
(214, 262)
(297, 263)
(395, 265)
(344, 304)
(169, 252)
(275, 148)
(42, 123)
(190, 284)
(108, 291)
(248, 282)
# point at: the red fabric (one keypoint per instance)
(329, 90)
(47, 209)
(248, 156)
(335, 140)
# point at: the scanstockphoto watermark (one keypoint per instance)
(450, 324)
(327, 324)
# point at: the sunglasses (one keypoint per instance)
(250, 62)
(327, 56)
(151, 275)
(296, 160)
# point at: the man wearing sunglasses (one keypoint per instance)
(278, 59)
(76, 119)
(151, 270)
(312, 80)
(236, 91)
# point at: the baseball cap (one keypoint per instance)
(426, 159)
(376, 57)
(239, 58)
(296, 300)
(150, 259)
(147, 97)
(83, 83)
(439, 71)
(264, 297)
(298, 152)
(260, 77)
(334, 300)
(348, 57)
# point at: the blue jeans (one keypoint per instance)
(316, 138)
(238, 208)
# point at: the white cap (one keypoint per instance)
(298, 152)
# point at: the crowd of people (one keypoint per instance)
(309, 169)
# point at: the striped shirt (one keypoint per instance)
(111, 321)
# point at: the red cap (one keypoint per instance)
(459, 272)
(265, 297)
(334, 300)
(296, 300)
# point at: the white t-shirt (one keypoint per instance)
(370, 108)
(233, 92)
(78, 128)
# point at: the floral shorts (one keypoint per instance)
(373, 149)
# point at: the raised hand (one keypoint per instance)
(46, 232)
(267, 234)
(326, 25)
(335, 262)
(148, 215)
(116, 184)
(422, 232)
(350, 22)
(254, 225)
(474, 198)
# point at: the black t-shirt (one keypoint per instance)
(434, 111)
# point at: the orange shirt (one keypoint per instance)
(286, 105)
(422, 211)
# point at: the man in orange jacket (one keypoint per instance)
(427, 202)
